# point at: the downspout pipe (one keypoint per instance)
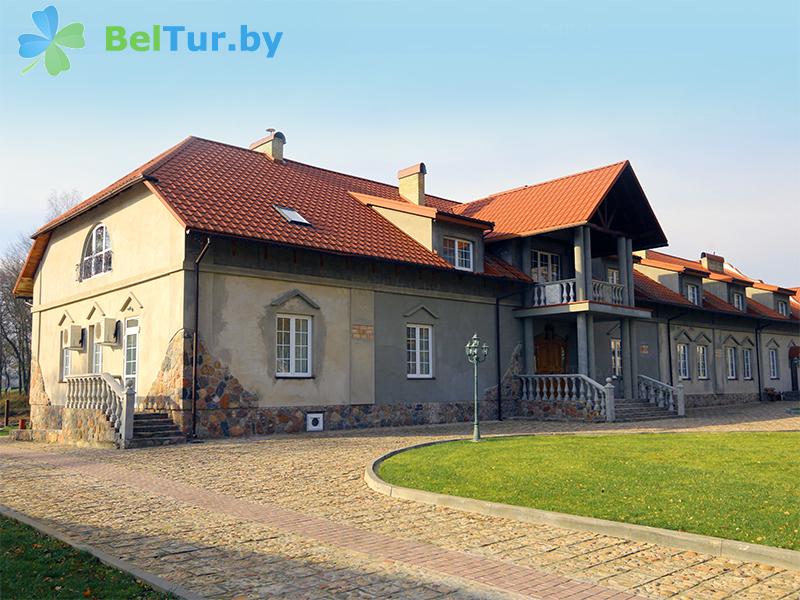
(497, 351)
(195, 337)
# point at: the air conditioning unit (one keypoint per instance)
(105, 332)
(315, 421)
(72, 337)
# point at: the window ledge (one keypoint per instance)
(285, 376)
(420, 377)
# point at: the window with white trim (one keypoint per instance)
(683, 361)
(783, 308)
(738, 301)
(419, 351)
(616, 357)
(96, 258)
(458, 253)
(97, 357)
(612, 275)
(693, 293)
(730, 362)
(66, 363)
(747, 363)
(702, 361)
(545, 266)
(293, 346)
(131, 354)
(773, 364)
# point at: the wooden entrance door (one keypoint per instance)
(551, 353)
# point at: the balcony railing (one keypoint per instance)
(610, 293)
(564, 291)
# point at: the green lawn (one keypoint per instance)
(743, 486)
(33, 565)
(4, 431)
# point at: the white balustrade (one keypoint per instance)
(554, 292)
(662, 395)
(104, 393)
(610, 293)
(570, 388)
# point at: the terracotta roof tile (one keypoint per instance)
(649, 289)
(545, 206)
(714, 302)
(223, 189)
(757, 309)
(496, 267)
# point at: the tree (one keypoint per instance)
(15, 313)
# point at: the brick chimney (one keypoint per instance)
(712, 262)
(412, 183)
(272, 145)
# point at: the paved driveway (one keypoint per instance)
(290, 517)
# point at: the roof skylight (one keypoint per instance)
(292, 215)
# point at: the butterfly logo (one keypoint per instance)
(32, 45)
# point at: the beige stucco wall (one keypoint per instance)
(147, 281)
(416, 226)
(237, 325)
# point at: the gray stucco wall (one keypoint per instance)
(453, 323)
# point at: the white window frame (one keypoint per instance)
(91, 254)
(747, 363)
(616, 357)
(702, 361)
(294, 372)
(738, 301)
(774, 370)
(131, 330)
(551, 258)
(731, 367)
(414, 354)
(612, 275)
(66, 363)
(97, 356)
(458, 261)
(783, 308)
(693, 293)
(683, 361)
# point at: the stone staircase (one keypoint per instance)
(639, 410)
(155, 429)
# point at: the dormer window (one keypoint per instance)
(458, 253)
(693, 293)
(783, 308)
(96, 253)
(738, 301)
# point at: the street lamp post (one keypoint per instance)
(476, 354)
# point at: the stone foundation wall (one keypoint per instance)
(43, 414)
(704, 400)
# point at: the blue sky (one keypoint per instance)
(702, 97)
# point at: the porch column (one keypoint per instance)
(627, 369)
(530, 349)
(583, 345)
(622, 249)
(590, 334)
(587, 260)
(629, 263)
(664, 368)
(580, 266)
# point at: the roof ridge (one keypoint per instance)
(318, 168)
(534, 185)
(131, 176)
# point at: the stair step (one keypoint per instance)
(150, 416)
(156, 434)
(164, 440)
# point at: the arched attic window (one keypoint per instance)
(96, 257)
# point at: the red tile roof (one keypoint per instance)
(714, 302)
(222, 189)
(669, 262)
(649, 289)
(547, 206)
(757, 309)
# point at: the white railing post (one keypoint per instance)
(126, 426)
(681, 401)
(610, 408)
